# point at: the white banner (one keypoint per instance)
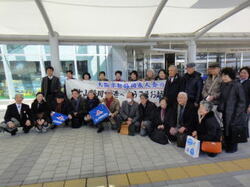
(154, 89)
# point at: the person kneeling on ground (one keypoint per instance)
(17, 115)
(92, 102)
(208, 128)
(79, 107)
(129, 113)
(62, 106)
(40, 113)
(113, 105)
(186, 119)
(146, 113)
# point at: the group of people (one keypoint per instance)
(207, 110)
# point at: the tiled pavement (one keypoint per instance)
(66, 154)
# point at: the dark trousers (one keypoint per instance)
(131, 128)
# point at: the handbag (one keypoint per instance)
(240, 130)
(181, 139)
(159, 136)
(211, 147)
(124, 128)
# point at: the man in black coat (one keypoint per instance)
(17, 114)
(50, 85)
(172, 86)
(79, 107)
(147, 115)
(186, 116)
(192, 84)
(61, 105)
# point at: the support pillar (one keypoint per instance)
(191, 55)
(54, 50)
(7, 71)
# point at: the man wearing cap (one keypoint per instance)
(192, 84)
(211, 89)
(62, 106)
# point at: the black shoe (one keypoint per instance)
(100, 130)
(13, 133)
(26, 131)
(211, 154)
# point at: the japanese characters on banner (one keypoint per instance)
(154, 89)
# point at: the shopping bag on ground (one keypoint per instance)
(192, 147)
(99, 113)
(58, 119)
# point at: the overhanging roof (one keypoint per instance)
(122, 21)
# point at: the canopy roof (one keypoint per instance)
(122, 20)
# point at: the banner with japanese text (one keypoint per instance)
(154, 89)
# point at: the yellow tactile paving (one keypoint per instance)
(54, 184)
(118, 180)
(154, 175)
(138, 178)
(228, 166)
(32, 185)
(176, 173)
(211, 169)
(75, 183)
(194, 171)
(243, 163)
(157, 175)
(97, 182)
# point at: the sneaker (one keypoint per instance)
(44, 130)
(39, 130)
(100, 130)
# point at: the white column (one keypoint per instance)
(7, 71)
(75, 64)
(191, 51)
(41, 60)
(119, 62)
(55, 58)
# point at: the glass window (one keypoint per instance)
(233, 60)
(3, 83)
(246, 59)
(26, 80)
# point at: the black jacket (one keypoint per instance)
(55, 86)
(169, 118)
(190, 117)
(41, 111)
(12, 112)
(147, 113)
(192, 85)
(92, 103)
(66, 108)
(246, 87)
(172, 89)
(232, 104)
(209, 129)
(81, 109)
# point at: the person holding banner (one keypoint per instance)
(79, 106)
(86, 76)
(61, 106)
(186, 119)
(162, 75)
(92, 102)
(113, 105)
(150, 75)
(133, 76)
(17, 114)
(147, 115)
(102, 76)
(129, 113)
(40, 113)
(118, 75)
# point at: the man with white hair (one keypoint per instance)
(172, 86)
(17, 114)
(186, 116)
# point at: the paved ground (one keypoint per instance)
(65, 153)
